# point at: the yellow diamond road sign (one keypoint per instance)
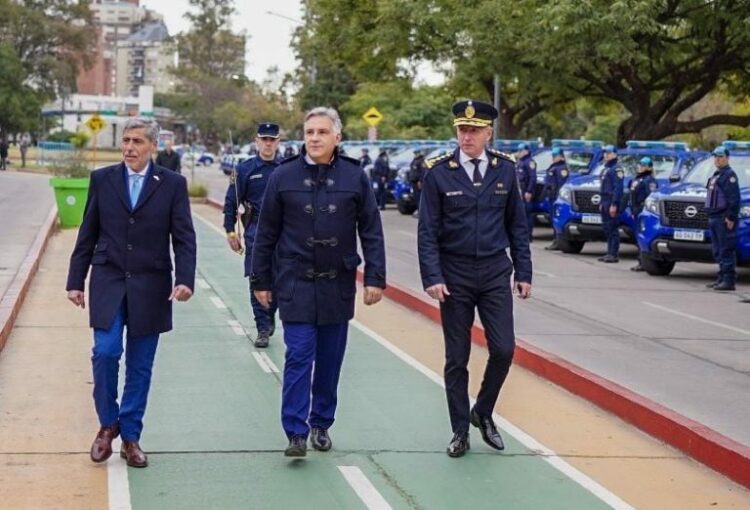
(96, 123)
(373, 116)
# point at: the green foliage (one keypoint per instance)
(19, 103)
(197, 190)
(60, 136)
(80, 140)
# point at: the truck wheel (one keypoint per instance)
(656, 267)
(567, 246)
(406, 208)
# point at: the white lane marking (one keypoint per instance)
(407, 233)
(210, 225)
(262, 362)
(218, 303)
(118, 485)
(548, 275)
(695, 318)
(203, 284)
(366, 491)
(529, 442)
(237, 327)
(269, 363)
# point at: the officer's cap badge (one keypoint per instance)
(470, 112)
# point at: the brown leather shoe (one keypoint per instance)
(132, 453)
(101, 449)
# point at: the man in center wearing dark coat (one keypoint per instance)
(315, 206)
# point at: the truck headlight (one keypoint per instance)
(652, 205)
(565, 194)
(745, 211)
(403, 174)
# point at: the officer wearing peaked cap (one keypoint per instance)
(611, 191)
(247, 185)
(526, 169)
(471, 215)
(641, 187)
(723, 208)
(557, 174)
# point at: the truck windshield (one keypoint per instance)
(663, 165)
(706, 168)
(577, 161)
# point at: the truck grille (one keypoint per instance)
(681, 214)
(582, 201)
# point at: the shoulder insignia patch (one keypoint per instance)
(502, 155)
(620, 174)
(532, 164)
(652, 186)
(733, 179)
(564, 172)
(452, 164)
(429, 163)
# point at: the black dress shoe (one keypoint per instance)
(297, 447)
(458, 445)
(609, 259)
(637, 268)
(712, 284)
(552, 247)
(262, 340)
(724, 286)
(320, 440)
(489, 432)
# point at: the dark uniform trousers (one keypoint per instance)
(482, 284)
(724, 248)
(263, 316)
(611, 229)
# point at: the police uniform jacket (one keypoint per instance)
(526, 168)
(458, 219)
(611, 188)
(310, 218)
(557, 174)
(128, 248)
(380, 169)
(247, 185)
(723, 197)
(641, 187)
(415, 169)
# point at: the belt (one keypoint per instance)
(312, 274)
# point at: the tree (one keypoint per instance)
(656, 58)
(19, 103)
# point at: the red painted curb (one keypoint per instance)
(215, 204)
(725, 455)
(10, 305)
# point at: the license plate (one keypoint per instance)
(592, 219)
(690, 235)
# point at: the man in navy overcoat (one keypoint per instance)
(134, 210)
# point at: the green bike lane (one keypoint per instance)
(215, 441)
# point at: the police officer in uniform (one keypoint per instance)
(316, 205)
(642, 186)
(723, 208)
(526, 169)
(365, 159)
(611, 192)
(380, 173)
(471, 215)
(557, 174)
(415, 177)
(247, 185)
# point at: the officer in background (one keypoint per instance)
(471, 214)
(316, 206)
(365, 160)
(526, 169)
(379, 174)
(415, 177)
(168, 158)
(247, 185)
(611, 192)
(557, 174)
(723, 208)
(642, 186)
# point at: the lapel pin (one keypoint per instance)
(156, 177)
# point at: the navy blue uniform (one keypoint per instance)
(611, 191)
(380, 173)
(465, 232)
(641, 187)
(309, 220)
(526, 169)
(557, 174)
(723, 203)
(416, 172)
(247, 187)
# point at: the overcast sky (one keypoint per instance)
(268, 34)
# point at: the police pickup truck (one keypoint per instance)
(576, 215)
(673, 226)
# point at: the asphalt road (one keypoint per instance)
(667, 338)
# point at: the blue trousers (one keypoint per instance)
(611, 231)
(724, 246)
(380, 193)
(105, 360)
(314, 355)
(263, 316)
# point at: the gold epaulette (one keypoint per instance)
(503, 155)
(437, 159)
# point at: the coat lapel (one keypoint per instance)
(491, 175)
(153, 180)
(118, 180)
(459, 174)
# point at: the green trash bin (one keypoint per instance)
(70, 194)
